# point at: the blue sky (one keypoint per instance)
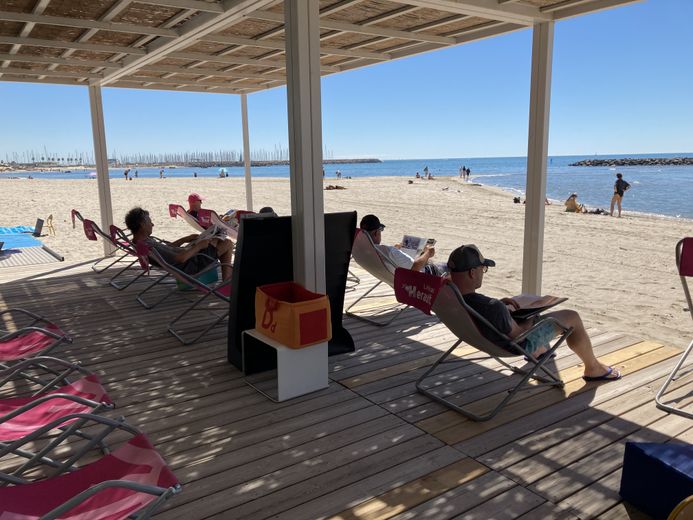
(622, 83)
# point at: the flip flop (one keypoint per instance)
(541, 356)
(609, 376)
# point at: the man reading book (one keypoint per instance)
(183, 253)
(371, 225)
(467, 266)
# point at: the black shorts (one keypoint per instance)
(202, 259)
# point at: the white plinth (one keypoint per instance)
(299, 371)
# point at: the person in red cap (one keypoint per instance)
(467, 266)
(194, 204)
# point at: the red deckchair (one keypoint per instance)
(684, 265)
(131, 482)
(29, 341)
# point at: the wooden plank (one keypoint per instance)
(459, 499)
(446, 426)
(562, 429)
(415, 492)
(534, 421)
(286, 488)
(329, 504)
(549, 511)
(508, 505)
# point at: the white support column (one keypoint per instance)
(246, 154)
(537, 149)
(101, 157)
(305, 141)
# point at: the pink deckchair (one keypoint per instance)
(221, 290)
(22, 415)
(684, 265)
(92, 231)
(30, 341)
(176, 210)
(131, 482)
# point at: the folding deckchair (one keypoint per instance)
(39, 337)
(91, 231)
(176, 210)
(131, 482)
(221, 290)
(37, 375)
(684, 264)
(20, 415)
(367, 256)
(450, 307)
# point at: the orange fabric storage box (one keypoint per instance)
(292, 315)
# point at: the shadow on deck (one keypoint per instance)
(369, 446)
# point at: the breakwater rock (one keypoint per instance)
(640, 161)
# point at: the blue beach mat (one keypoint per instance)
(19, 241)
(15, 230)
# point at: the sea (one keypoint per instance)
(660, 190)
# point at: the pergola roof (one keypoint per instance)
(237, 46)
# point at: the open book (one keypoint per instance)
(414, 246)
(211, 232)
(531, 305)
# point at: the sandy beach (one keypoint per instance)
(618, 273)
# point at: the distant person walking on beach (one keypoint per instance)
(136, 174)
(620, 187)
(161, 173)
(126, 174)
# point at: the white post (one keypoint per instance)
(301, 18)
(101, 157)
(246, 154)
(537, 150)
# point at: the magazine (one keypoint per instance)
(210, 233)
(531, 305)
(414, 246)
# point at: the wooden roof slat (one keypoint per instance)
(490, 9)
(58, 61)
(362, 29)
(86, 24)
(215, 73)
(36, 42)
(196, 5)
(51, 73)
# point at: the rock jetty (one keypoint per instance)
(652, 161)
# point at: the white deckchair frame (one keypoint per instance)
(366, 254)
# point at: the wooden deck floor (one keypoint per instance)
(369, 446)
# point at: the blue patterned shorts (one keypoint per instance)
(540, 338)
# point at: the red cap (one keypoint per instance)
(193, 197)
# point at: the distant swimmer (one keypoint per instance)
(620, 187)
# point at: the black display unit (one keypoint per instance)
(263, 255)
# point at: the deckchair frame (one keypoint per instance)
(113, 257)
(688, 244)
(33, 326)
(383, 269)
(460, 318)
(108, 426)
(207, 291)
(58, 372)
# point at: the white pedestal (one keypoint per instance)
(299, 371)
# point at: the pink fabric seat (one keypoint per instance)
(50, 406)
(136, 464)
(30, 341)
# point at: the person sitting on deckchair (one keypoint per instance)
(572, 205)
(371, 225)
(186, 258)
(467, 266)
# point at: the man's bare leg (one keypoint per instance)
(224, 253)
(579, 342)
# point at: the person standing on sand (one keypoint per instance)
(161, 173)
(136, 174)
(620, 187)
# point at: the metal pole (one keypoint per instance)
(301, 18)
(101, 158)
(246, 153)
(537, 150)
